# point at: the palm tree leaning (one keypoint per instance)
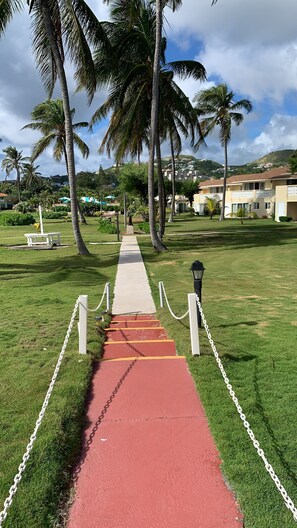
(14, 160)
(59, 25)
(216, 107)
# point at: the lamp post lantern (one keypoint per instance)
(197, 269)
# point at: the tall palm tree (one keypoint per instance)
(49, 119)
(130, 69)
(60, 25)
(14, 160)
(216, 107)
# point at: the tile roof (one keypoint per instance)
(2, 195)
(277, 172)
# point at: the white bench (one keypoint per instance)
(43, 239)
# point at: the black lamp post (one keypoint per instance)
(197, 269)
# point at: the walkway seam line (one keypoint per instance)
(140, 341)
(142, 358)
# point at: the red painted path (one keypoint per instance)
(148, 459)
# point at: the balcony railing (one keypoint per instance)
(292, 190)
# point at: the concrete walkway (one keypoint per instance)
(148, 458)
(132, 293)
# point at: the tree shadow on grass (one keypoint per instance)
(73, 269)
(223, 240)
(260, 408)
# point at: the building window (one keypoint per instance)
(253, 186)
(267, 205)
(256, 205)
(237, 206)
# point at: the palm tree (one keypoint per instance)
(130, 68)
(216, 107)
(31, 176)
(14, 160)
(212, 205)
(49, 119)
(59, 25)
(7, 10)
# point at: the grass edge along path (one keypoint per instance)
(45, 282)
(251, 313)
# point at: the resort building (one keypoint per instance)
(269, 194)
(4, 202)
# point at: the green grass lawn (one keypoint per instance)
(38, 292)
(250, 302)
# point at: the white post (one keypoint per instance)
(194, 331)
(40, 219)
(83, 322)
(161, 294)
(108, 296)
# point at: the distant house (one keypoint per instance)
(4, 202)
(269, 193)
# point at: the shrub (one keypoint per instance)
(142, 211)
(15, 219)
(144, 227)
(54, 215)
(285, 219)
(60, 208)
(106, 226)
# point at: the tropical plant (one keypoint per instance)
(293, 162)
(188, 189)
(14, 160)
(130, 69)
(216, 107)
(31, 178)
(49, 119)
(59, 25)
(212, 206)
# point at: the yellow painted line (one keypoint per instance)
(137, 328)
(142, 341)
(143, 358)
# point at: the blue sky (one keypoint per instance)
(249, 44)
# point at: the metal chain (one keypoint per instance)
(18, 477)
(173, 315)
(288, 501)
(97, 307)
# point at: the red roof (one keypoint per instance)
(2, 195)
(275, 173)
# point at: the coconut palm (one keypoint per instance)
(14, 160)
(49, 119)
(130, 68)
(216, 107)
(59, 25)
(31, 178)
(7, 10)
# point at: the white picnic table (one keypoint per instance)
(43, 239)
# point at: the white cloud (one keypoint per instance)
(251, 45)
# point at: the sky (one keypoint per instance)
(250, 45)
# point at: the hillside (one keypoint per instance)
(278, 157)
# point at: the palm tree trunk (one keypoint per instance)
(222, 216)
(161, 191)
(82, 249)
(172, 182)
(81, 215)
(18, 181)
(156, 242)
